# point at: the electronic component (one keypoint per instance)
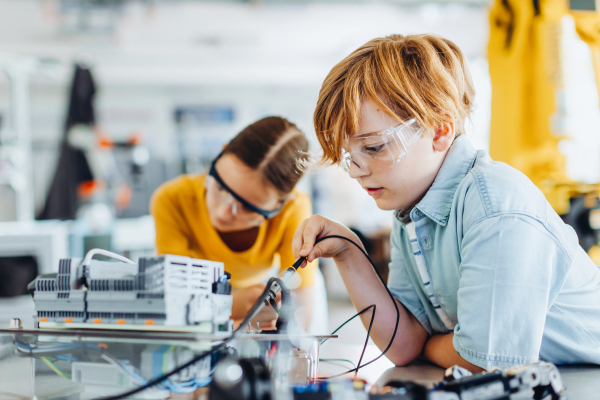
(356, 389)
(542, 377)
(167, 290)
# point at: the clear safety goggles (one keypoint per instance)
(381, 149)
(225, 199)
(229, 197)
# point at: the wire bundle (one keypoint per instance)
(129, 371)
(48, 354)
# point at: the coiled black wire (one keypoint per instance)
(392, 298)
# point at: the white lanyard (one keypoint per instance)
(420, 260)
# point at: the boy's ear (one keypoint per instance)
(444, 136)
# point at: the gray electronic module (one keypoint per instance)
(170, 291)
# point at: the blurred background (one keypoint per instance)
(101, 101)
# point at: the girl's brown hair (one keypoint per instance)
(275, 147)
(420, 76)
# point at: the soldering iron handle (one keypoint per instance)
(275, 288)
(292, 270)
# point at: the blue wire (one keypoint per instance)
(184, 387)
(55, 348)
(126, 367)
(66, 358)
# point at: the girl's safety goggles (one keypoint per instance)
(247, 205)
(381, 149)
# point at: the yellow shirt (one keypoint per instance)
(183, 228)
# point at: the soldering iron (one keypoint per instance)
(276, 287)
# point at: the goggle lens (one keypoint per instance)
(346, 160)
(382, 149)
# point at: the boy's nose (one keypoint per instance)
(358, 170)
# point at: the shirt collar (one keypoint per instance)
(438, 200)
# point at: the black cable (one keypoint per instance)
(358, 366)
(348, 320)
(366, 340)
(386, 289)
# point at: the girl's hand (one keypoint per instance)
(317, 227)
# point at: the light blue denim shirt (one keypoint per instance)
(505, 268)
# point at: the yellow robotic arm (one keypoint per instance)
(528, 111)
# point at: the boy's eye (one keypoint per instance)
(374, 148)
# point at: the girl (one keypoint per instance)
(243, 213)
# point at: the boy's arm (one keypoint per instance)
(440, 350)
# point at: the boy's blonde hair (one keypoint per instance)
(420, 76)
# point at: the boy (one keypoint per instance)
(485, 273)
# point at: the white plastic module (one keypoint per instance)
(170, 291)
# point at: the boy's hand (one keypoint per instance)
(316, 227)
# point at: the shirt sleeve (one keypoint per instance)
(301, 210)
(401, 280)
(171, 228)
(505, 289)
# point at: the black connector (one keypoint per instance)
(221, 288)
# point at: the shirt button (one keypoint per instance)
(426, 240)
